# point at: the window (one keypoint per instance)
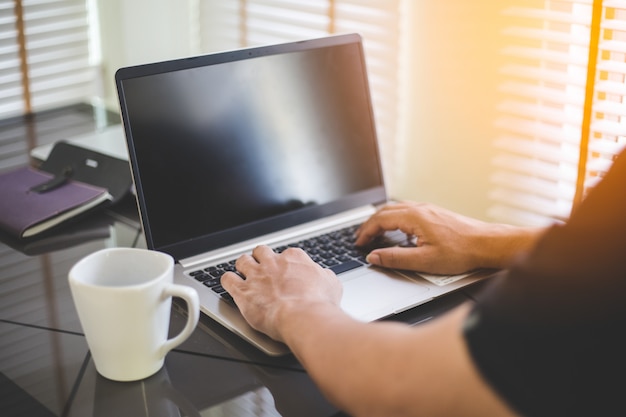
(46, 56)
(234, 24)
(563, 107)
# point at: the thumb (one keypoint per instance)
(395, 257)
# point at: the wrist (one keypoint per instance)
(503, 243)
(295, 319)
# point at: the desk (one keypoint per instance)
(45, 365)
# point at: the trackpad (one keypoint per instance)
(375, 294)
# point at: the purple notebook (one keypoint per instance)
(24, 213)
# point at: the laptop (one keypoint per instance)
(271, 145)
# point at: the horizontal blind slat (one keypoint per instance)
(542, 92)
(545, 15)
(537, 168)
(546, 75)
(531, 203)
(547, 189)
(544, 55)
(548, 151)
(510, 215)
(538, 129)
(546, 35)
(541, 112)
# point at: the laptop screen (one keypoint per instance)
(228, 146)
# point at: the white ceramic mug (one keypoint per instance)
(123, 297)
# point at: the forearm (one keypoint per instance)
(388, 368)
(341, 356)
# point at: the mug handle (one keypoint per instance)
(193, 314)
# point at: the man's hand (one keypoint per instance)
(276, 283)
(447, 242)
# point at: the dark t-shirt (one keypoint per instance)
(549, 334)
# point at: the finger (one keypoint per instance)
(297, 253)
(262, 252)
(370, 228)
(416, 259)
(245, 263)
(231, 282)
(383, 221)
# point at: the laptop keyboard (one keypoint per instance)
(334, 250)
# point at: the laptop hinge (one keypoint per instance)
(285, 235)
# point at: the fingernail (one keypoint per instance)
(373, 258)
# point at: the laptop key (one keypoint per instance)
(218, 289)
(331, 262)
(229, 298)
(346, 266)
(212, 282)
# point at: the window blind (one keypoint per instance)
(11, 99)
(234, 24)
(541, 114)
(607, 135)
(45, 54)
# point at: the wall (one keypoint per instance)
(141, 31)
(453, 65)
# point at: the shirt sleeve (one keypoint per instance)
(549, 334)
